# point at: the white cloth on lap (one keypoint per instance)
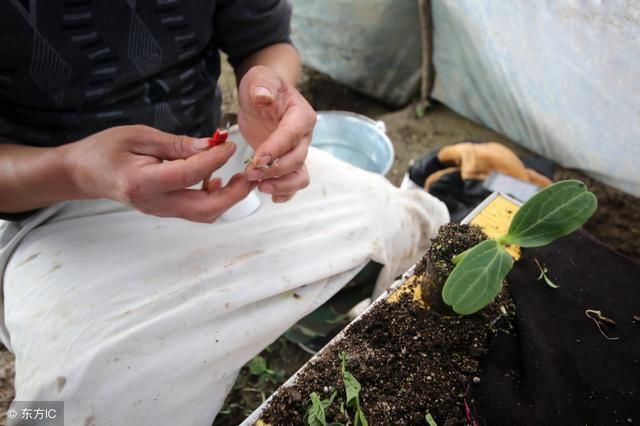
(133, 319)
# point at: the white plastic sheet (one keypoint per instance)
(560, 77)
(372, 46)
(133, 319)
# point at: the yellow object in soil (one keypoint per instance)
(410, 286)
(495, 218)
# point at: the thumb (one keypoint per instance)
(260, 85)
(167, 146)
(261, 96)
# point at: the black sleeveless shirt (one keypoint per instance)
(69, 68)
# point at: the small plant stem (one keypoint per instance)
(503, 240)
(458, 257)
(543, 274)
(598, 315)
(597, 318)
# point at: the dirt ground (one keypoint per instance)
(616, 223)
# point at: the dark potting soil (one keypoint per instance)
(410, 360)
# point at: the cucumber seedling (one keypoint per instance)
(555, 211)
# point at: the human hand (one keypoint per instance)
(277, 122)
(127, 164)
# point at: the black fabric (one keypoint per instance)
(461, 196)
(17, 217)
(557, 369)
(69, 69)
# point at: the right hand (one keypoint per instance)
(127, 164)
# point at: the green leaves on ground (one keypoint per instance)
(258, 366)
(557, 210)
(477, 279)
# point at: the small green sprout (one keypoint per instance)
(315, 415)
(430, 420)
(352, 389)
(258, 367)
(555, 211)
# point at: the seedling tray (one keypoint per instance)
(493, 215)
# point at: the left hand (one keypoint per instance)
(277, 122)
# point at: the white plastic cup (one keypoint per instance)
(243, 208)
(251, 202)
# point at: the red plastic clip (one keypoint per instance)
(219, 137)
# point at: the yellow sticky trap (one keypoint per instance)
(495, 217)
(260, 422)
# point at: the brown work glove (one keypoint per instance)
(477, 161)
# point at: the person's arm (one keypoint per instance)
(31, 178)
(281, 58)
(136, 165)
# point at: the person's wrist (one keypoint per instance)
(70, 171)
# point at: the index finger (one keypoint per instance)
(202, 206)
(179, 174)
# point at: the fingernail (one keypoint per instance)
(267, 188)
(262, 96)
(201, 144)
(263, 161)
(254, 174)
(230, 146)
(279, 199)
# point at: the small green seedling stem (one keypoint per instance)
(555, 211)
(543, 274)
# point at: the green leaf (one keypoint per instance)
(351, 384)
(327, 402)
(315, 415)
(555, 211)
(352, 389)
(477, 279)
(430, 420)
(359, 419)
(258, 366)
